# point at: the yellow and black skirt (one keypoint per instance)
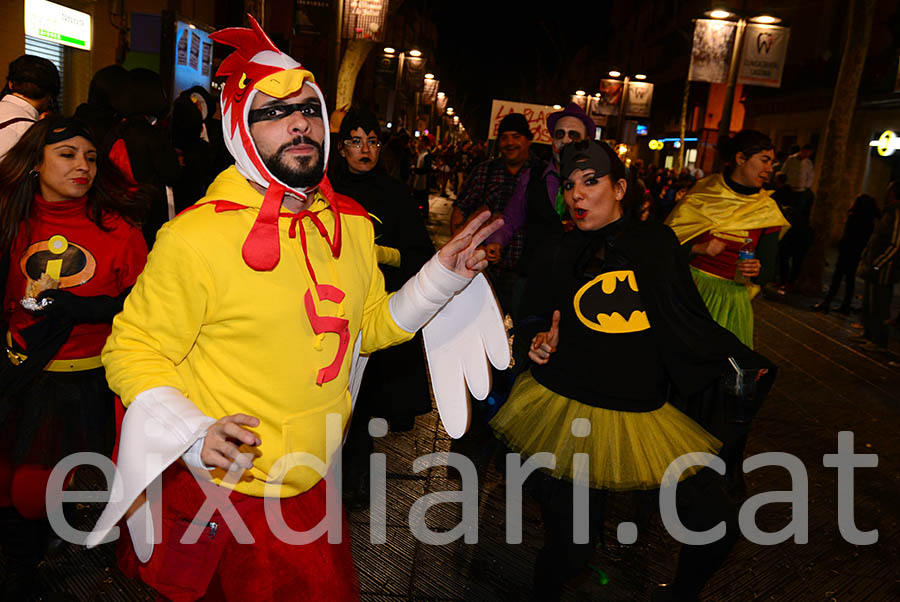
(626, 450)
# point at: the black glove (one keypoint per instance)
(96, 310)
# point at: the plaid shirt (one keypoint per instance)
(490, 184)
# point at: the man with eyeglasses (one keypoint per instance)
(394, 385)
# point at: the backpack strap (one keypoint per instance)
(15, 120)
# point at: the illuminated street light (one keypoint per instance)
(557, 107)
(615, 73)
(415, 52)
(719, 14)
(766, 19)
(429, 76)
(389, 50)
(441, 94)
(640, 76)
(579, 92)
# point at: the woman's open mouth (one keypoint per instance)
(579, 213)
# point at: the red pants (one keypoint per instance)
(217, 567)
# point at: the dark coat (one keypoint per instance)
(395, 381)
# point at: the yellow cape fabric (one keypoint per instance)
(712, 206)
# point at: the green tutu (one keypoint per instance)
(728, 302)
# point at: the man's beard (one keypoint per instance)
(299, 172)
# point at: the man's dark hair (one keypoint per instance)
(33, 77)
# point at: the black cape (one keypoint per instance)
(395, 383)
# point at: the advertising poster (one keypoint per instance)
(206, 65)
(191, 45)
(364, 20)
(414, 73)
(535, 114)
(639, 99)
(429, 93)
(763, 55)
(181, 51)
(610, 98)
(195, 50)
(711, 51)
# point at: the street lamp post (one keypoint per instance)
(733, 68)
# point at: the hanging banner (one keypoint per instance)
(441, 104)
(386, 71)
(581, 100)
(762, 59)
(364, 20)
(711, 51)
(638, 99)
(429, 92)
(536, 115)
(609, 100)
(414, 73)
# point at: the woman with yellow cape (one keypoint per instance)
(727, 215)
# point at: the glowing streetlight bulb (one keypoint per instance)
(579, 92)
(557, 107)
(640, 76)
(429, 76)
(389, 50)
(719, 14)
(415, 52)
(615, 73)
(766, 19)
(441, 94)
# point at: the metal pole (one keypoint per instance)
(620, 126)
(336, 56)
(684, 106)
(733, 68)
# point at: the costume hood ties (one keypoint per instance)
(256, 65)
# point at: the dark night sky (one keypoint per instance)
(489, 49)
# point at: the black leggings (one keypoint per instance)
(701, 502)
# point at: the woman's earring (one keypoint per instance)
(33, 173)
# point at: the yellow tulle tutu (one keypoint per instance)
(626, 450)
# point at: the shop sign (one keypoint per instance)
(59, 24)
(762, 59)
(887, 143)
(364, 20)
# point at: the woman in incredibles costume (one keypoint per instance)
(620, 322)
(718, 215)
(67, 235)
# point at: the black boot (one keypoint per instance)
(23, 542)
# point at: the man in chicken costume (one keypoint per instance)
(239, 348)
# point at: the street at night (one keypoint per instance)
(450, 301)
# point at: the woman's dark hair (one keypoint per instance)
(745, 142)
(865, 205)
(110, 192)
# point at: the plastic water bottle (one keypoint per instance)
(747, 251)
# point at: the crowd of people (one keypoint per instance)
(293, 286)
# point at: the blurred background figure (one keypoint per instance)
(32, 85)
(860, 223)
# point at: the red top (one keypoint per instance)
(725, 263)
(59, 239)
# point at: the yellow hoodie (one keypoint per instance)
(236, 340)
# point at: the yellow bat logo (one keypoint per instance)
(606, 306)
